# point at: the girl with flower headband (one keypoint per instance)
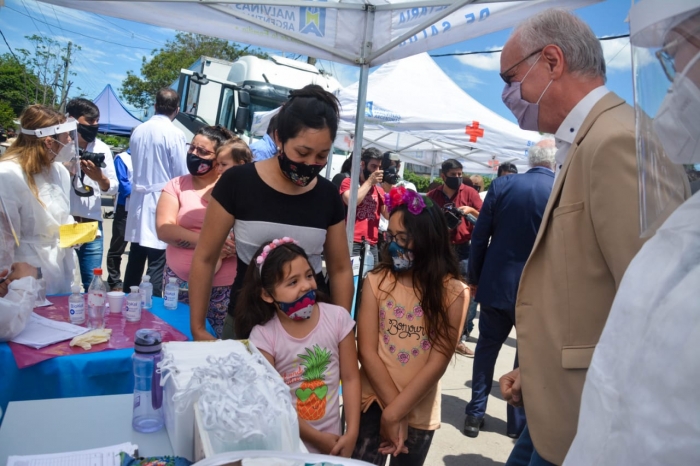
(413, 308)
(310, 343)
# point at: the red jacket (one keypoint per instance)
(465, 196)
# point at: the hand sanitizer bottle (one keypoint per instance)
(171, 292)
(76, 306)
(146, 289)
(133, 305)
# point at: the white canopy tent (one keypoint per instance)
(415, 109)
(356, 32)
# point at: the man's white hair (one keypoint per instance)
(582, 50)
(542, 154)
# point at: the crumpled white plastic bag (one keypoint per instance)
(17, 306)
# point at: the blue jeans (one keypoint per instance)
(494, 327)
(524, 453)
(89, 258)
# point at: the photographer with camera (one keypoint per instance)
(370, 202)
(96, 176)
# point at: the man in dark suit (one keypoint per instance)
(510, 218)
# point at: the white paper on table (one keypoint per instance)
(46, 302)
(41, 332)
(106, 456)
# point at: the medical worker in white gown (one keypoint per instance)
(34, 187)
(640, 403)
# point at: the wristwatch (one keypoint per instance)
(38, 273)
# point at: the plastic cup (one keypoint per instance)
(116, 301)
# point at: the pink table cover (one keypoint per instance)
(122, 334)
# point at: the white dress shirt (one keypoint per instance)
(91, 207)
(566, 134)
(158, 154)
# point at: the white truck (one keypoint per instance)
(214, 91)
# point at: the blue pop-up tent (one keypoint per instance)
(114, 117)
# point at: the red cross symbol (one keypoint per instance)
(474, 131)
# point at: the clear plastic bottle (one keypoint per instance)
(369, 261)
(146, 289)
(97, 294)
(148, 394)
(171, 293)
(133, 305)
(76, 306)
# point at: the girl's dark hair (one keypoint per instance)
(216, 134)
(434, 262)
(251, 310)
(308, 107)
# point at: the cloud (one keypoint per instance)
(618, 56)
(466, 80)
(482, 61)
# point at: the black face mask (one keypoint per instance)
(197, 165)
(453, 182)
(299, 173)
(88, 132)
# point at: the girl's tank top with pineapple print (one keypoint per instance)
(310, 365)
(404, 346)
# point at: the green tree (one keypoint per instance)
(421, 181)
(46, 61)
(164, 68)
(15, 82)
(7, 115)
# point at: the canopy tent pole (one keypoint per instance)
(433, 166)
(359, 125)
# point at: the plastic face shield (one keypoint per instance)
(663, 135)
(65, 134)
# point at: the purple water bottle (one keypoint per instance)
(148, 394)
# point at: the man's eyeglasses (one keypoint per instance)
(504, 75)
(201, 151)
(401, 238)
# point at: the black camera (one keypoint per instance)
(390, 176)
(94, 157)
(454, 216)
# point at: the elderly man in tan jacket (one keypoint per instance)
(554, 70)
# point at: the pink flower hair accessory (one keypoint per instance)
(272, 246)
(400, 196)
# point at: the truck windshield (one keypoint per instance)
(263, 98)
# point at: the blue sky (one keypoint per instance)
(111, 47)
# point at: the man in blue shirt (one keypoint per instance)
(122, 165)
(501, 242)
(266, 147)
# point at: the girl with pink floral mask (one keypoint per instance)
(310, 343)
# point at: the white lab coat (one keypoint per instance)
(158, 154)
(36, 225)
(640, 403)
(91, 207)
(16, 307)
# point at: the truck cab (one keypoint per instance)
(251, 85)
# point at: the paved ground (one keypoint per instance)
(450, 447)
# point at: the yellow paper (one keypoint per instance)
(77, 233)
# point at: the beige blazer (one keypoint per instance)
(588, 236)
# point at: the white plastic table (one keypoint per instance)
(70, 424)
